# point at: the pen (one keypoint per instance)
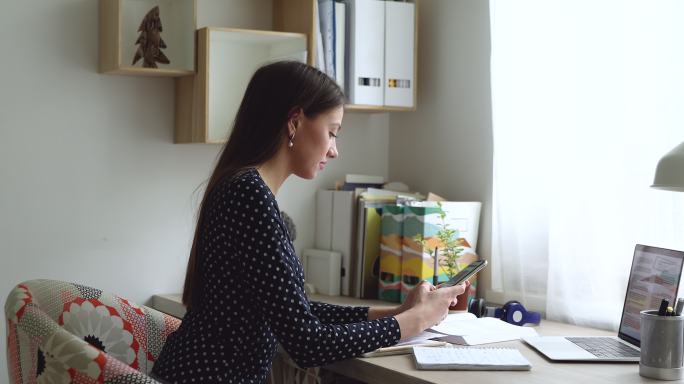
(402, 349)
(435, 277)
(662, 311)
(679, 306)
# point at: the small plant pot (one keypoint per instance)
(462, 304)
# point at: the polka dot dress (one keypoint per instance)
(250, 297)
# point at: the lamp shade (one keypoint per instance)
(670, 171)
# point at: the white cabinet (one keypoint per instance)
(394, 29)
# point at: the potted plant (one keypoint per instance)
(448, 248)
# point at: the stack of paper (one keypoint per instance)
(416, 340)
(474, 331)
(459, 328)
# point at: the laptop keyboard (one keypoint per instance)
(604, 347)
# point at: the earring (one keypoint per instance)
(291, 143)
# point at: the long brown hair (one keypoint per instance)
(260, 126)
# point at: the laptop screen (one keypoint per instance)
(654, 276)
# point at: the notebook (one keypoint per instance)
(470, 359)
(654, 276)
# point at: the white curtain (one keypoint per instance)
(587, 95)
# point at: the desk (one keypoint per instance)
(401, 369)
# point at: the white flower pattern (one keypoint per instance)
(62, 352)
(102, 327)
(50, 370)
(17, 301)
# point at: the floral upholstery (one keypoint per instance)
(60, 332)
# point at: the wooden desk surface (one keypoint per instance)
(401, 368)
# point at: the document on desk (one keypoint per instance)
(489, 359)
(480, 331)
(423, 337)
(405, 346)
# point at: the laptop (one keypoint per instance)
(654, 276)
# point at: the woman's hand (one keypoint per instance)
(413, 295)
(466, 285)
(428, 307)
(435, 305)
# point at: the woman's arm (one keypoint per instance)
(339, 314)
(380, 312)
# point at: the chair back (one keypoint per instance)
(59, 332)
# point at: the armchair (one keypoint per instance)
(59, 332)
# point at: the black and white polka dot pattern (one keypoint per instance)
(251, 297)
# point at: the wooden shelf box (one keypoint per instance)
(206, 104)
(119, 22)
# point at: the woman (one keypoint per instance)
(244, 287)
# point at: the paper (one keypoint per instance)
(404, 349)
(470, 358)
(426, 335)
(405, 346)
(481, 331)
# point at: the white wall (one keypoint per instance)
(445, 147)
(92, 188)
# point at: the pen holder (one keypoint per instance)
(662, 346)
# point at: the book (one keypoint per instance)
(354, 186)
(470, 359)
(340, 41)
(343, 231)
(364, 179)
(366, 266)
(319, 54)
(326, 17)
(389, 288)
(424, 218)
(335, 228)
(407, 196)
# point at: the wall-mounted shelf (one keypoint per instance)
(300, 16)
(119, 22)
(206, 104)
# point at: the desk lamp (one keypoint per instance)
(670, 171)
(669, 176)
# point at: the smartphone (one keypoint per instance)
(466, 273)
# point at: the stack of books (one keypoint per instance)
(374, 228)
(354, 182)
